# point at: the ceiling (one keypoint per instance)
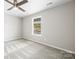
(33, 6)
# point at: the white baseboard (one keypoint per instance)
(54, 46)
(12, 38)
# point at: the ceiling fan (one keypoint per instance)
(16, 4)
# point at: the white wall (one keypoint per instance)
(12, 27)
(57, 27)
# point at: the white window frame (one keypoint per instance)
(33, 25)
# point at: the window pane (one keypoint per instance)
(37, 28)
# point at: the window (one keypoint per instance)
(36, 26)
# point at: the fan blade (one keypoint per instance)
(9, 2)
(10, 8)
(21, 3)
(21, 9)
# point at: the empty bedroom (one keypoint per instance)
(39, 29)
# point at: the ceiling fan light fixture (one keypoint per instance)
(17, 5)
(15, 8)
